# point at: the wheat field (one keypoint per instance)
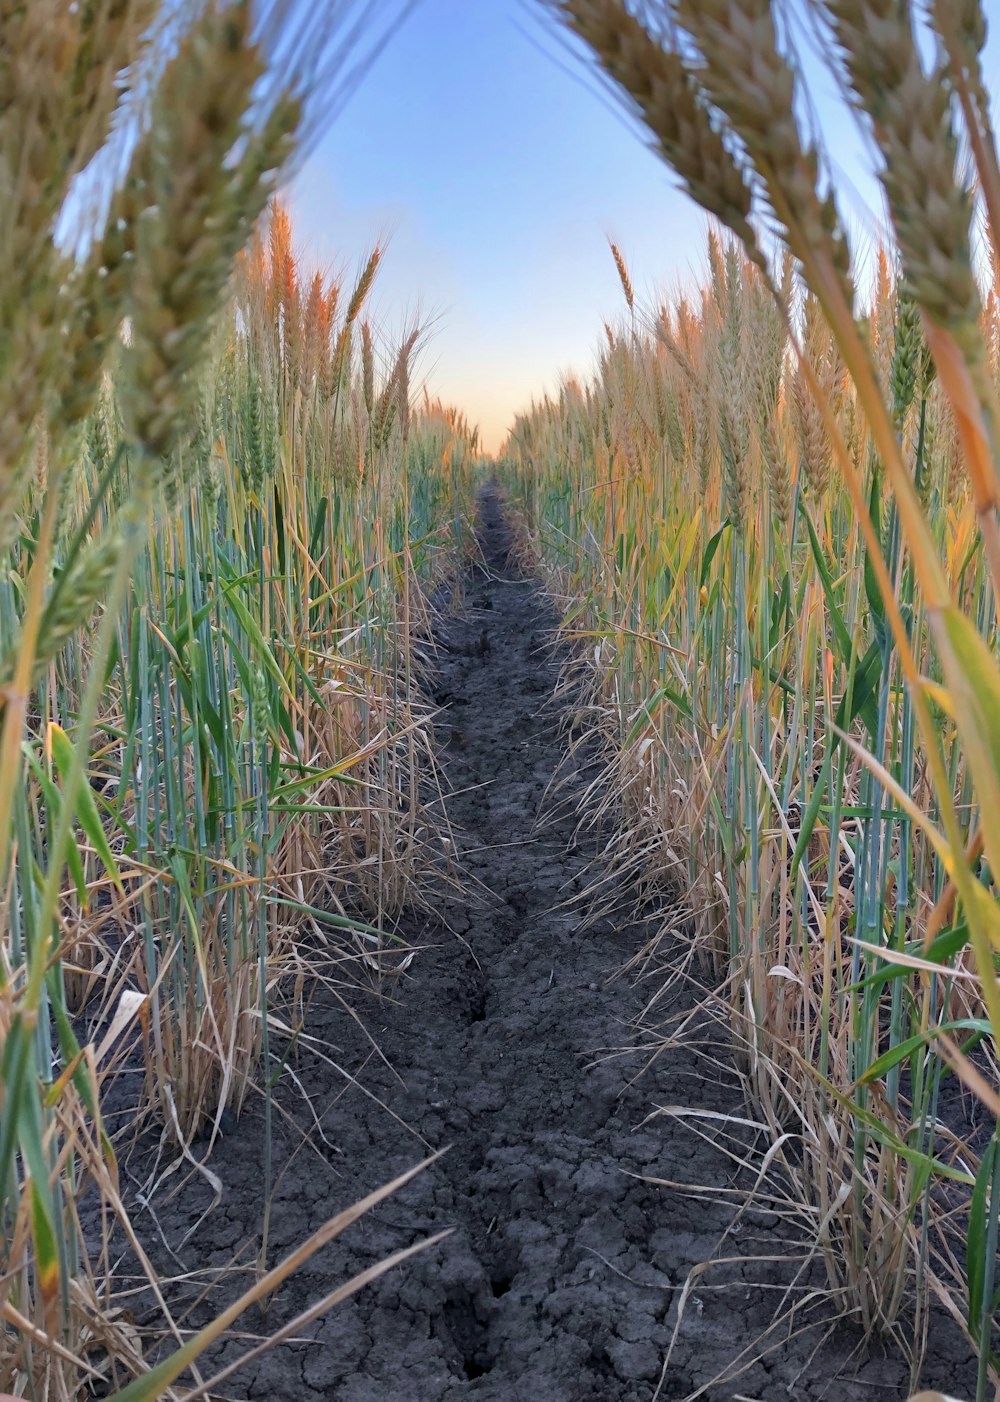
(232, 518)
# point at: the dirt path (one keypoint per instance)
(561, 1280)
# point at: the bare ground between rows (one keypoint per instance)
(563, 1273)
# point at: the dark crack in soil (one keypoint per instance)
(562, 1276)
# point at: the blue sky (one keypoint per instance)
(498, 167)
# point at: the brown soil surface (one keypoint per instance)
(562, 1276)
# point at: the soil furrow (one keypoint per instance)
(564, 1271)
